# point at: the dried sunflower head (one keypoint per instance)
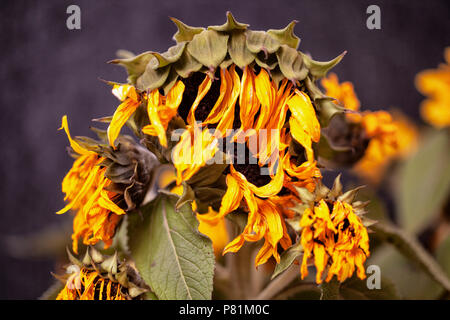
(333, 232)
(249, 113)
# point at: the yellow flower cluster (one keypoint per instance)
(338, 237)
(85, 187)
(391, 137)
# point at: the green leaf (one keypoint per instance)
(170, 56)
(320, 69)
(268, 62)
(424, 182)
(152, 79)
(287, 258)
(209, 48)
(261, 41)
(291, 63)
(286, 36)
(276, 75)
(170, 81)
(325, 107)
(230, 25)
(356, 289)
(443, 255)
(185, 32)
(173, 258)
(187, 196)
(238, 51)
(410, 281)
(186, 65)
(412, 250)
(207, 175)
(135, 65)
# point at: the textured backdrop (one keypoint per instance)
(48, 71)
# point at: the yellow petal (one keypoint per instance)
(303, 111)
(74, 145)
(248, 101)
(202, 91)
(265, 91)
(120, 117)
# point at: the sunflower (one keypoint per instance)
(274, 109)
(85, 186)
(103, 184)
(240, 122)
(248, 118)
(333, 232)
(391, 135)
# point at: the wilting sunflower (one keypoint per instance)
(435, 84)
(389, 136)
(333, 233)
(102, 185)
(239, 122)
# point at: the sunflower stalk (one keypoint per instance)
(330, 290)
(280, 283)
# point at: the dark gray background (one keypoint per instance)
(48, 71)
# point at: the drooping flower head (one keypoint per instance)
(240, 123)
(102, 185)
(389, 135)
(249, 114)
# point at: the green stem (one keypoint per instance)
(330, 290)
(279, 283)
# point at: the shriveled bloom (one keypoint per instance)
(435, 84)
(334, 238)
(389, 137)
(251, 90)
(86, 284)
(263, 110)
(85, 187)
(395, 138)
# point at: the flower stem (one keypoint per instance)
(279, 283)
(330, 290)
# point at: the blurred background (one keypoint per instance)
(49, 71)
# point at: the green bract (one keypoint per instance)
(204, 50)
